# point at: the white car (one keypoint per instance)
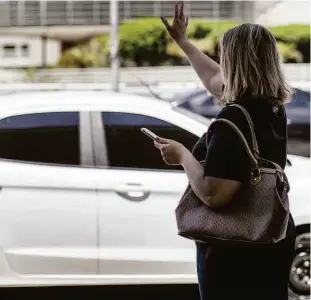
(86, 199)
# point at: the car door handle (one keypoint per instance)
(133, 192)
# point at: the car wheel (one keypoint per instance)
(299, 282)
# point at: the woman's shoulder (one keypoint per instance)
(279, 111)
(255, 109)
(264, 117)
(233, 114)
(237, 117)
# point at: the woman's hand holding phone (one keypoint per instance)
(171, 151)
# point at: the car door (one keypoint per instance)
(138, 194)
(48, 204)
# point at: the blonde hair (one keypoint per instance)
(251, 65)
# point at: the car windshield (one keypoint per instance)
(192, 115)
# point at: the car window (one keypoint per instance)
(301, 99)
(128, 147)
(43, 137)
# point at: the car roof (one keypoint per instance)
(77, 97)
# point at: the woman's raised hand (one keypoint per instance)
(178, 29)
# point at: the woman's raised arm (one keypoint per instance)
(207, 69)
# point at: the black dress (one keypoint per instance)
(260, 272)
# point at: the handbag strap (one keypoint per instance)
(250, 154)
(251, 126)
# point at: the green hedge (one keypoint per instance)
(94, 53)
(144, 42)
(289, 53)
(293, 33)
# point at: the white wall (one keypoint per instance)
(34, 58)
(283, 12)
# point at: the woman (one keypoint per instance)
(249, 74)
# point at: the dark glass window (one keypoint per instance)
(128, 147)
(43, 137)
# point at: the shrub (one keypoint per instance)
(293, 33)
(77, 57)
(93, 53)
(99, 48)
(143, 41)
(297, 34)
(198, 29)
(289, 53)
(206, 45)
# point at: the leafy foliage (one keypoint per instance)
(145, 42)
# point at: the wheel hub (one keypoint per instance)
(300, 272)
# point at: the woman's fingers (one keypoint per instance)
(166, 23)
(176, 15)
(186, 21)
(161, 140)
(158, 145)
(161, 144)
(181, 11)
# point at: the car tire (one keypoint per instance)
(299, 282)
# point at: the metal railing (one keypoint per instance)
(47, 13)
(130, 76)
(164, 91)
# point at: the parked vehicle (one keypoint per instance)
(298, 113)
(86, 199)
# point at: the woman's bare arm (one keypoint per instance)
(214, 192)
(207, 69)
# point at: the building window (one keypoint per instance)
(25, 50)
(9, 50)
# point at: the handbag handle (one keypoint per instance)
(251, 126)
(250, 154)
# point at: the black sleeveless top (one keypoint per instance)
(226, 156)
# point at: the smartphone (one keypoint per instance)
(149, 133)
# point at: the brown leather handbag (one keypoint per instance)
(258, 213)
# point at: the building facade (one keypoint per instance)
(70, 13)
(28, 29)
(24, 51)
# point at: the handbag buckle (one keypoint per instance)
(255, 176)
